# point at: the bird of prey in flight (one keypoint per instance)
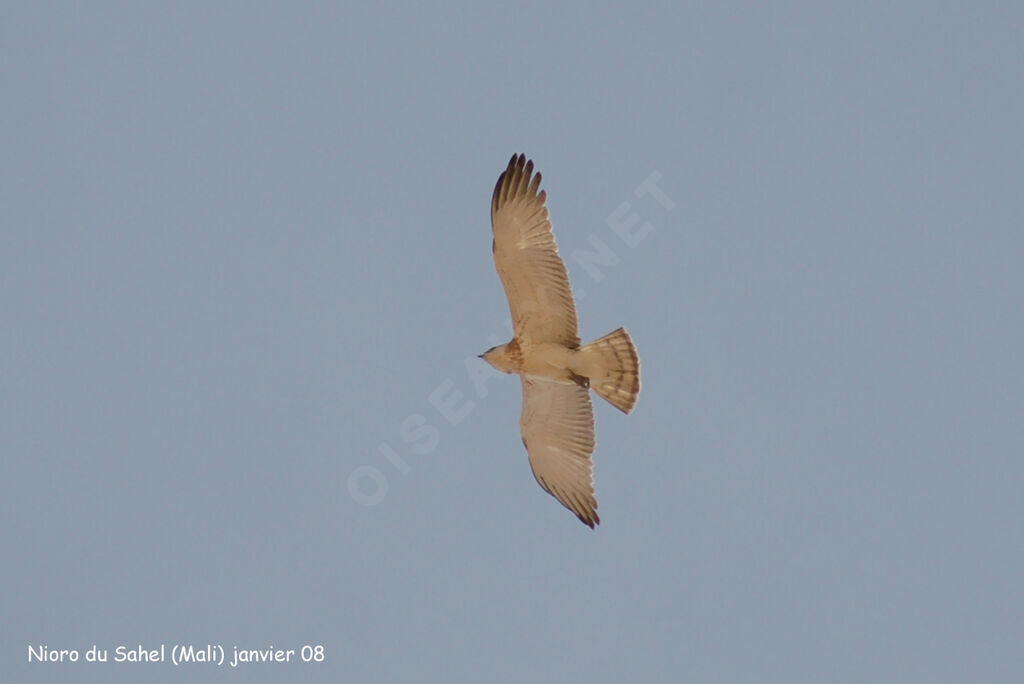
(557, 422)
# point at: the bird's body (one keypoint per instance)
(548, 360)
(557, 422)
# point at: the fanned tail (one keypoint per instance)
(613, 367)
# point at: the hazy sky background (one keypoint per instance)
(243, 244)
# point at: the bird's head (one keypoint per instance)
(501, 357)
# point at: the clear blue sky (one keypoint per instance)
(243, 245)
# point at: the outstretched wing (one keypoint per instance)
(526, 256)
(557, 425)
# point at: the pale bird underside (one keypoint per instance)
(557, 422)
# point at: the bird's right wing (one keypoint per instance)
(526, 257)
(557, 425)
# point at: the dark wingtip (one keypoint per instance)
(514, 164)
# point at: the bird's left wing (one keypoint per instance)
(526, 257)
(557, 426)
